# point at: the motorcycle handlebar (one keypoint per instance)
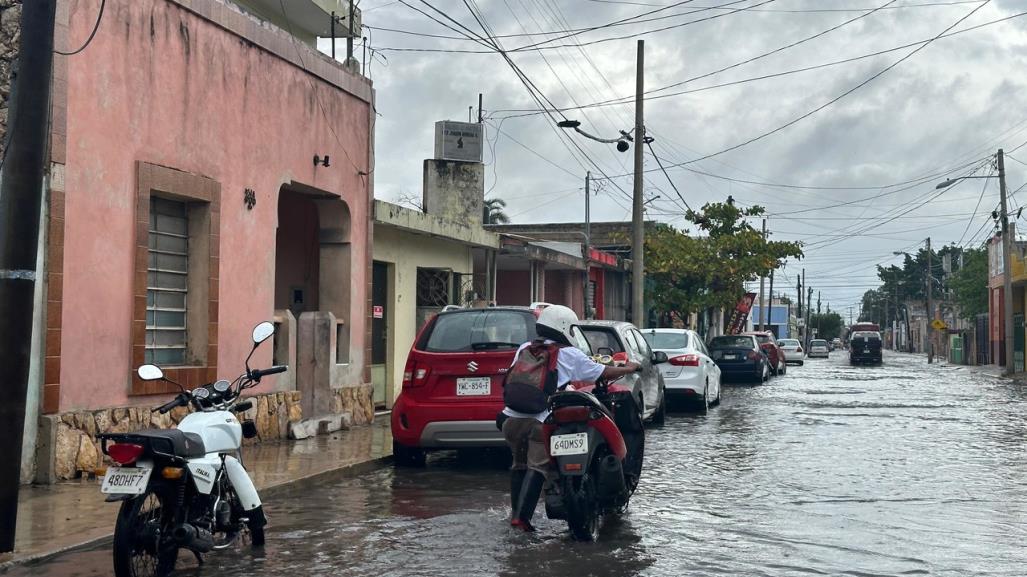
(176, 402)
(258, 373)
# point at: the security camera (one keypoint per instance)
(623, 146)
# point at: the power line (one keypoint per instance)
(840, 96)
(96, 26)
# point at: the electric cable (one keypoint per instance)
(96, 26)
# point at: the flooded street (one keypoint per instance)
(905, 469)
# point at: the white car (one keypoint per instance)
(818, 348)
(690, 373)
(792, 349)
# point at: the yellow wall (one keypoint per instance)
(406, 252)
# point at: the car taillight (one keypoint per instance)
(687, 360)
(754, 355)
(124, 453)
(414, 375)
(798, 349)
(570, 414)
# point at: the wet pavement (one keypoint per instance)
(904, 469)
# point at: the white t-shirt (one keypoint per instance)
(571, 365)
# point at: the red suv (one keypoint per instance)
(768, 342)
(453, 381)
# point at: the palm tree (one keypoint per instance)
(492, 211)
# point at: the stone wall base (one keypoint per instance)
(74, 450)
(357, 400)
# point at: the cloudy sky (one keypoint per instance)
(860, 154)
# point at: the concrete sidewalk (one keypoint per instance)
(53, 519)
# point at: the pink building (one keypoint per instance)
(209, 171)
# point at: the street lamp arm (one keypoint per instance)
(949, 182)
(596, 138)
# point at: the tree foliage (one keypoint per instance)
(492, 211)
(690, 273)
(828, 325)
(970, 284)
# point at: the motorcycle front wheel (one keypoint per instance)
(582, 503)
(143, 546)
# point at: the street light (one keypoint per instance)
(1007, 276)
(621, 141)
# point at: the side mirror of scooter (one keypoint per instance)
(262, 332)
(150, 373)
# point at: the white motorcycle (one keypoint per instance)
(185, 488)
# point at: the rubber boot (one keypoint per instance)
(530, 492)
(516, 482)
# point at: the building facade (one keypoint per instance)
(190, 197)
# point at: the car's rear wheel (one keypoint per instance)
(403, 456)
(704, 403)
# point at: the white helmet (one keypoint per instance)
(555, 322)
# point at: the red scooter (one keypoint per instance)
(596, 439)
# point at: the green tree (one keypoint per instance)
(492, 211)
(691, 273)
(970, 284)
(828, 325)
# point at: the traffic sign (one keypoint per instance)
(939, 324)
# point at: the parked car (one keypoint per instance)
(865, 347)
(767, 341)
(689, 374)
(792, 350)
(611, 337)
(741, 356)
(818, 348)
(452, 382)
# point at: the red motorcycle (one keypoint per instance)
(596, 439)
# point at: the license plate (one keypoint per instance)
(474, 386)
(573, 444)
(730, 357)
(866, 350)
(125, 480)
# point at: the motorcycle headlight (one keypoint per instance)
(222, 385)
(201, 393)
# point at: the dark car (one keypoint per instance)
(865, 348)
(453, 381)
(776, 356)
(611, 337)
(740, 356)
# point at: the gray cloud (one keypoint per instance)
(959, 98)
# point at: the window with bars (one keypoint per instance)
(167, 276)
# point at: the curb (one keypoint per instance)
(327, 476)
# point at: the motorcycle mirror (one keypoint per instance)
(150, 373)
(262, 332)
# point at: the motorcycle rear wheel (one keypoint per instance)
(142, 537)
(582, 503)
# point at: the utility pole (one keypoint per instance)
(798, 292)
(1007, 264)
(638, 315)
(586, 309)
(930, 305)
(809, 306)
(21, 188)
(763, 308)
(770, 302)
(349, 37)
(481, 117)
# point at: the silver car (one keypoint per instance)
(611, 337)
(818, 348)
(793, 350)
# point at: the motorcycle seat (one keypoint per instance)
(170, 441)
(578, 399)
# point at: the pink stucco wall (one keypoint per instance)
(162, 85)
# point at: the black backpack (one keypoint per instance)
(532, 378)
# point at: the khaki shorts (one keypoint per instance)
(526, 443)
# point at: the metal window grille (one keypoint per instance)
(167, 276)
